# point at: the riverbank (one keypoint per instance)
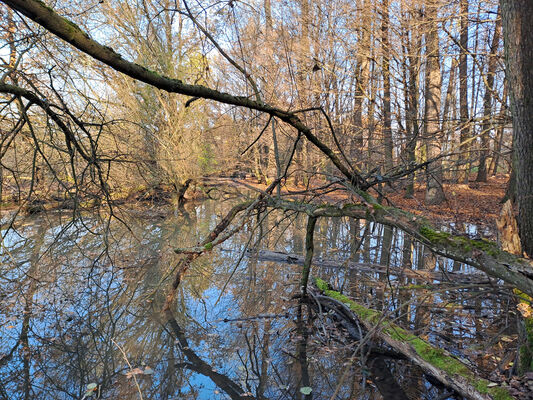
(476, 203)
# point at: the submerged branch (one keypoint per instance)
(309, 249)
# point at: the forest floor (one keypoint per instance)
(476, 203)
(473, 203)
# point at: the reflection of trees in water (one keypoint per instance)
(87, 299)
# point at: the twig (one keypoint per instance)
(130, 367)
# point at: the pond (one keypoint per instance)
(81, 309)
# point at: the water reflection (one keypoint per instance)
(80, 308)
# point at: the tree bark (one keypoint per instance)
(518, 39)
(434, 191)
(499, 133)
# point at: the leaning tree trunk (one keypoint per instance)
(518, 39)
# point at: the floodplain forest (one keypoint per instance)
(266, 199)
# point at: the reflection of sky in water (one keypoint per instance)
(87, 296)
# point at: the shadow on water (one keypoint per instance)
(80, 313)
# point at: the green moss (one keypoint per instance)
(433, 355)
(463, 243)
(321, 284)
(460, 242)
(416, 287)
(526, 349)
(366, 196)
(524, 298)
(43, 4)
(72, 25)
(363, 312)
(496, 392)
(487, 246)
(433, 235)
(208, 246)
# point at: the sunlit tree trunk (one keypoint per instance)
(448, 112)
(434, 191)
(10, 37)
(268, 17)
(301, 80)
(371, 121)
(361, 80)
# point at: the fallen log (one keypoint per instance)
(292, 258)
(434, 361)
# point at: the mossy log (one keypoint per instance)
(434, 361)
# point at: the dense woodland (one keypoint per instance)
(401, 84)
(112, 104)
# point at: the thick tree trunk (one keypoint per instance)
(518, 38)
(434, 191)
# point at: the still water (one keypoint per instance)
(81, 301)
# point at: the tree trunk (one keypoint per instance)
(463, 92)
(518, 38)
(413, 50)
(434, 191)
(371, 159)
(10, 37)
(385, 66)
(445, 368)
(499, 133)
(361, 84)
(487, 104)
